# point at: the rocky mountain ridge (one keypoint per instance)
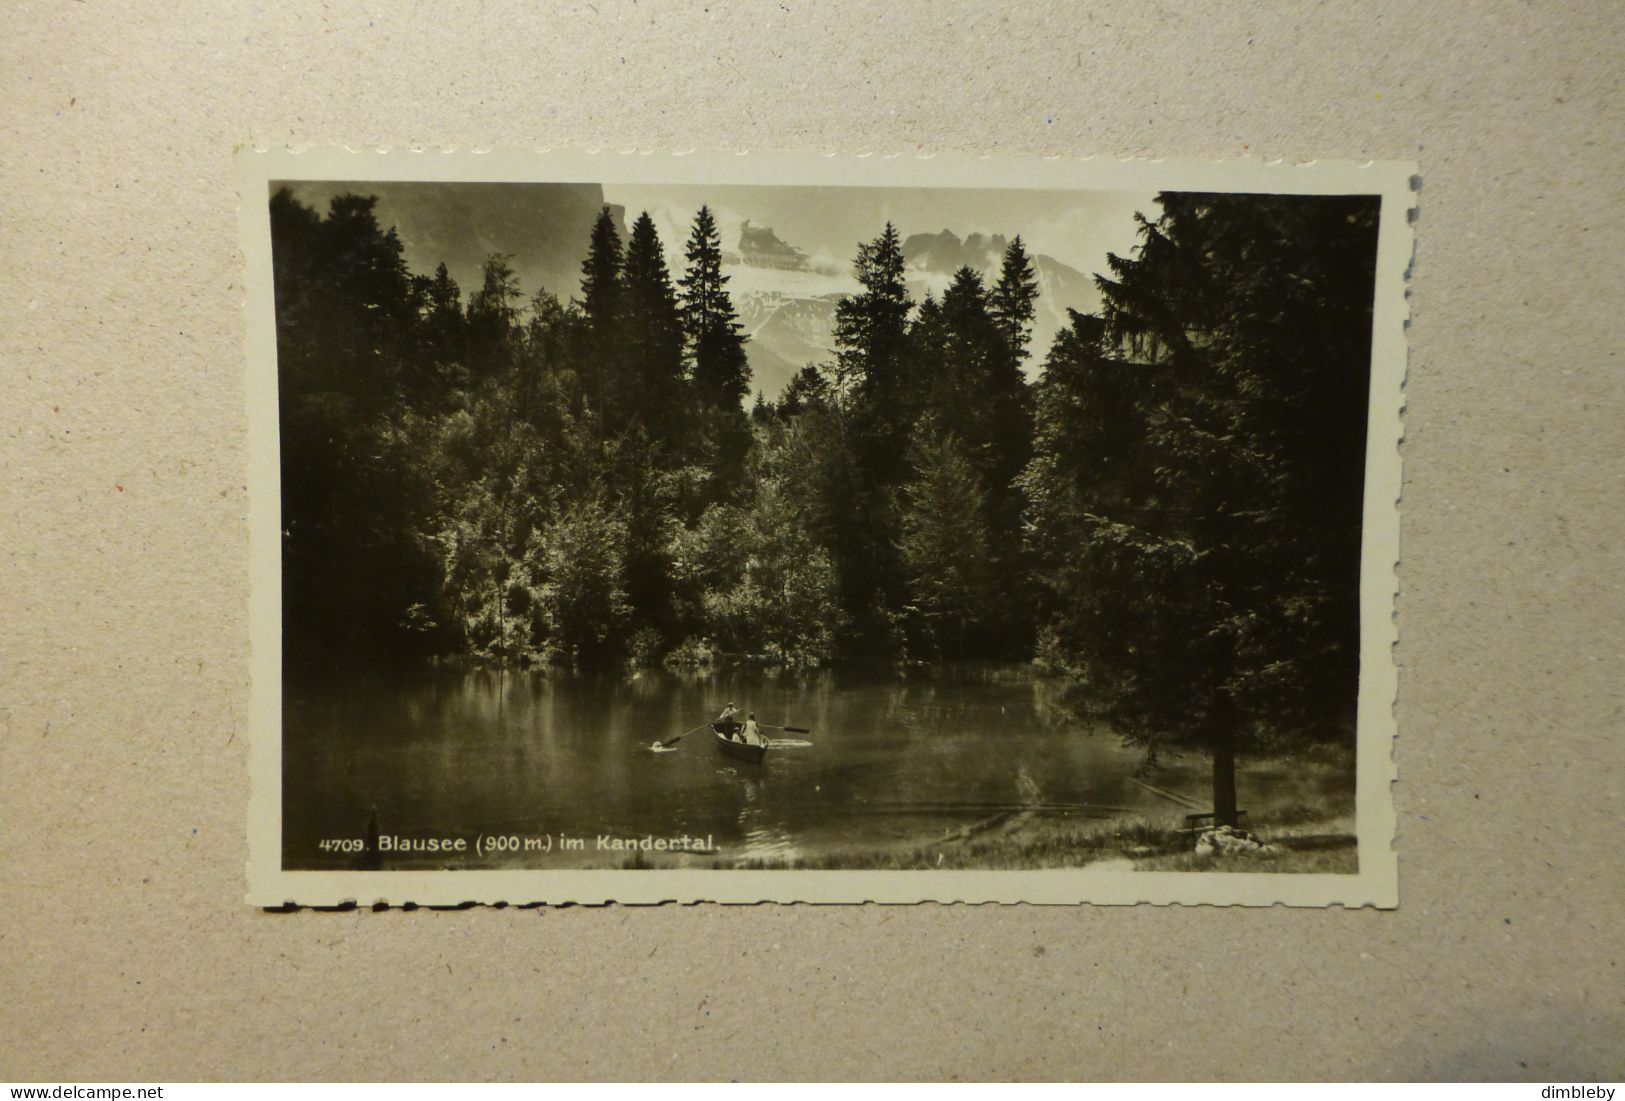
(789, 311)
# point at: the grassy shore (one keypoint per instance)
(1300, 839)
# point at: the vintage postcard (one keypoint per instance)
(790, 527)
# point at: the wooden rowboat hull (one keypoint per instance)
(739, 750)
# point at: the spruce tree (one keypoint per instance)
(1011, 300)
(601, 309)
(1196, 492)
(721, 371)
(873, 417)
(651, 338)
(601, 273)
(966, 352)
(871, 326)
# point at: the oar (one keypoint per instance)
(673, 741)
(788, 743)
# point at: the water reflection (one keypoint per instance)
(892, 757)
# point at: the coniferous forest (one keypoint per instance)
(1167, 515)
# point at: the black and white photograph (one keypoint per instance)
(924, 520)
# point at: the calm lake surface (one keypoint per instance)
(895, 758)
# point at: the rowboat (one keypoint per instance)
(742, 750)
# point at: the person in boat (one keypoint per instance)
(752, 734)
(727, 718)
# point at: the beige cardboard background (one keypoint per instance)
(125, 952)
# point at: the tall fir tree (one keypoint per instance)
(871, 327)
(1011, 300)
(721, 370)
(1196, 494)
(873, 415)
(601, 272)
(601, 310)
(651, 340)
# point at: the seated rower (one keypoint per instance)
(726, 721)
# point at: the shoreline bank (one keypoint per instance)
(1295, 842)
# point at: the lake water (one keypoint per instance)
(894, 759)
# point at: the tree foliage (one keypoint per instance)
(649, 345)
(1170, 516)
(721, 371)
(952, 582)
(1196, 487)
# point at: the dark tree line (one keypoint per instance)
(1170, 515)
